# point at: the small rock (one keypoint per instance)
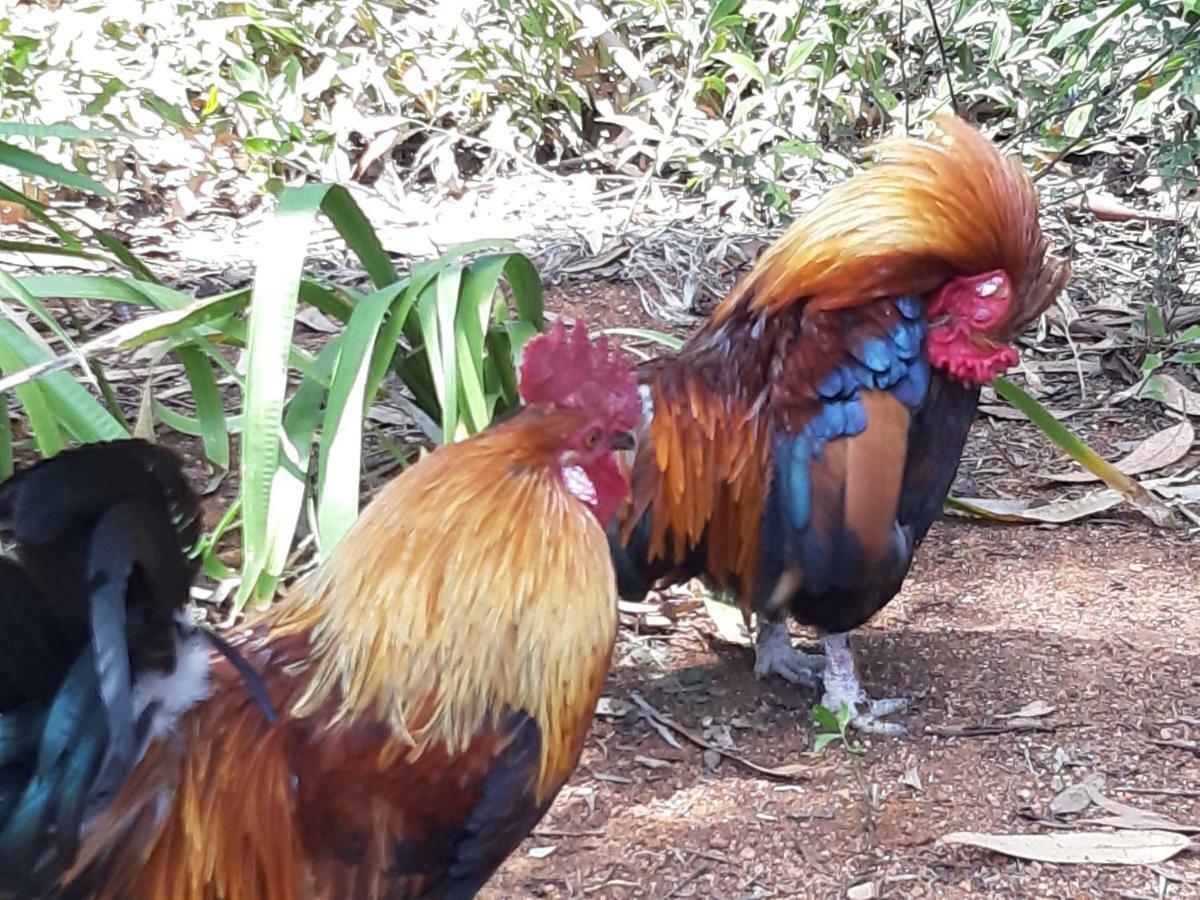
(718, 842)
(747, 853)
(864, 891)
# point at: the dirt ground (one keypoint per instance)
(1099, 620)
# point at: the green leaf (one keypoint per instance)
(744, 65)
(648, 334)
(47, 437)
(210, 410)
(6, 439)
(821, 741)
(340, 457)
(61, 130)
(167, 111)
(825, 719)
(32, 164)
(272, 315)
(527, 289)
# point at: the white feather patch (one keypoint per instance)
(580, 485)
(647, 402)
(175, 693)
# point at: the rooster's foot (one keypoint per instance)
(775, 655)
(842, 689)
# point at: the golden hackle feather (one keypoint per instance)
(929, 210)
(472, 584)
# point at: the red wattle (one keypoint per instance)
(950, 349)
(612, 487)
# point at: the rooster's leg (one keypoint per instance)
(775, 655)
(842, 689)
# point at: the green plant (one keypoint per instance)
(444, 336)
(832, 726)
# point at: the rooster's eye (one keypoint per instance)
(590, 439)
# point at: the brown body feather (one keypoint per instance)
(436, 678)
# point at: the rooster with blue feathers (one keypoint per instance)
(797, 449)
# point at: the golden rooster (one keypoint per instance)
(428, 688)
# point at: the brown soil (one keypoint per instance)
(1099, 619)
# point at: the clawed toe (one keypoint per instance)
(775, 655)
(869, 722)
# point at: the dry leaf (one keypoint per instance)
(1073, 799)
(1132, 817)
(731, 627)
(611, 707)
(1167, 391)
(1120, 848)
(542, 852)
(1108, 208)
(865, 891)
(1015, 415)
(911, 777)
(1077, 797)
(651, 762)
(313, 318)
(1030, 711)
(1159, 450)
(1056, 512)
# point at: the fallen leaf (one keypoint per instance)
(1015, 415)
(731, 627)
(542, 852)
(651, 762)
(611, 707)
(865, 891)
(313, 318)
(1056, 512)
(1073, 799)
(1159, 450)
(1166, 390)
(1108, 208)
(1141, 819)
(1013, 726)
(1120, 848)
(1077, 797)
(1030, 711)
(911, 777)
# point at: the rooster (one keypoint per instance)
(798, 447)
(427, 689)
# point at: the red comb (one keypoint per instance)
(570, 370)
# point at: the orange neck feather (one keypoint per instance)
(473, 583)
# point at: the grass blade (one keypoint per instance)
(6, 440)
(1136, 495)
(339, 463)
(268, 342)
(31, 164)
(210, 410)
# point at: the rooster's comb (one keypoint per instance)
(571, 371)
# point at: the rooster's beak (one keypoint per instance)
(622, 440)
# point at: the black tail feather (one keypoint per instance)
(91, 602)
